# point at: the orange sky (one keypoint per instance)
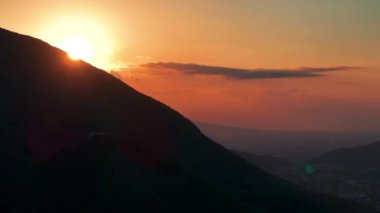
(247, 34)
(340, 101)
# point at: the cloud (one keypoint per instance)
(246, 74)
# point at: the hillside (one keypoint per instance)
(361, 156)
(75, 139)
(290, 145)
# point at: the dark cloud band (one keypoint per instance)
(245, 74)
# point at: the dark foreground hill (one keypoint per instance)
(361, 156)
(265, 162)
(75, 139)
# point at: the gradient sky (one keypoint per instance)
(223, 36)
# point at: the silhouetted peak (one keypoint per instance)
(83, 141)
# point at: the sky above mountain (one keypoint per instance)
(295, 64)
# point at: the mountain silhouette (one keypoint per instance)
(75, 139)
(367, 156)
(290, 145)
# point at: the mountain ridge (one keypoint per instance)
(76, 139)
(290, 145)
(365, 156)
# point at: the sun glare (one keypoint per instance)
(77, 48)
(83, 38)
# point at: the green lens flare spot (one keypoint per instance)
(309, 169)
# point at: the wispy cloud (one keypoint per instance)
(248, 74)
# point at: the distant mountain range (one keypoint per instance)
(367, 156)
(75, 139)
(291, 145)
(351, 173)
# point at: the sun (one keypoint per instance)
(77, 48)
(86, 38)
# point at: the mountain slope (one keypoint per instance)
(291, 145)
(265, 162)
(362, 156)
(75, 139)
